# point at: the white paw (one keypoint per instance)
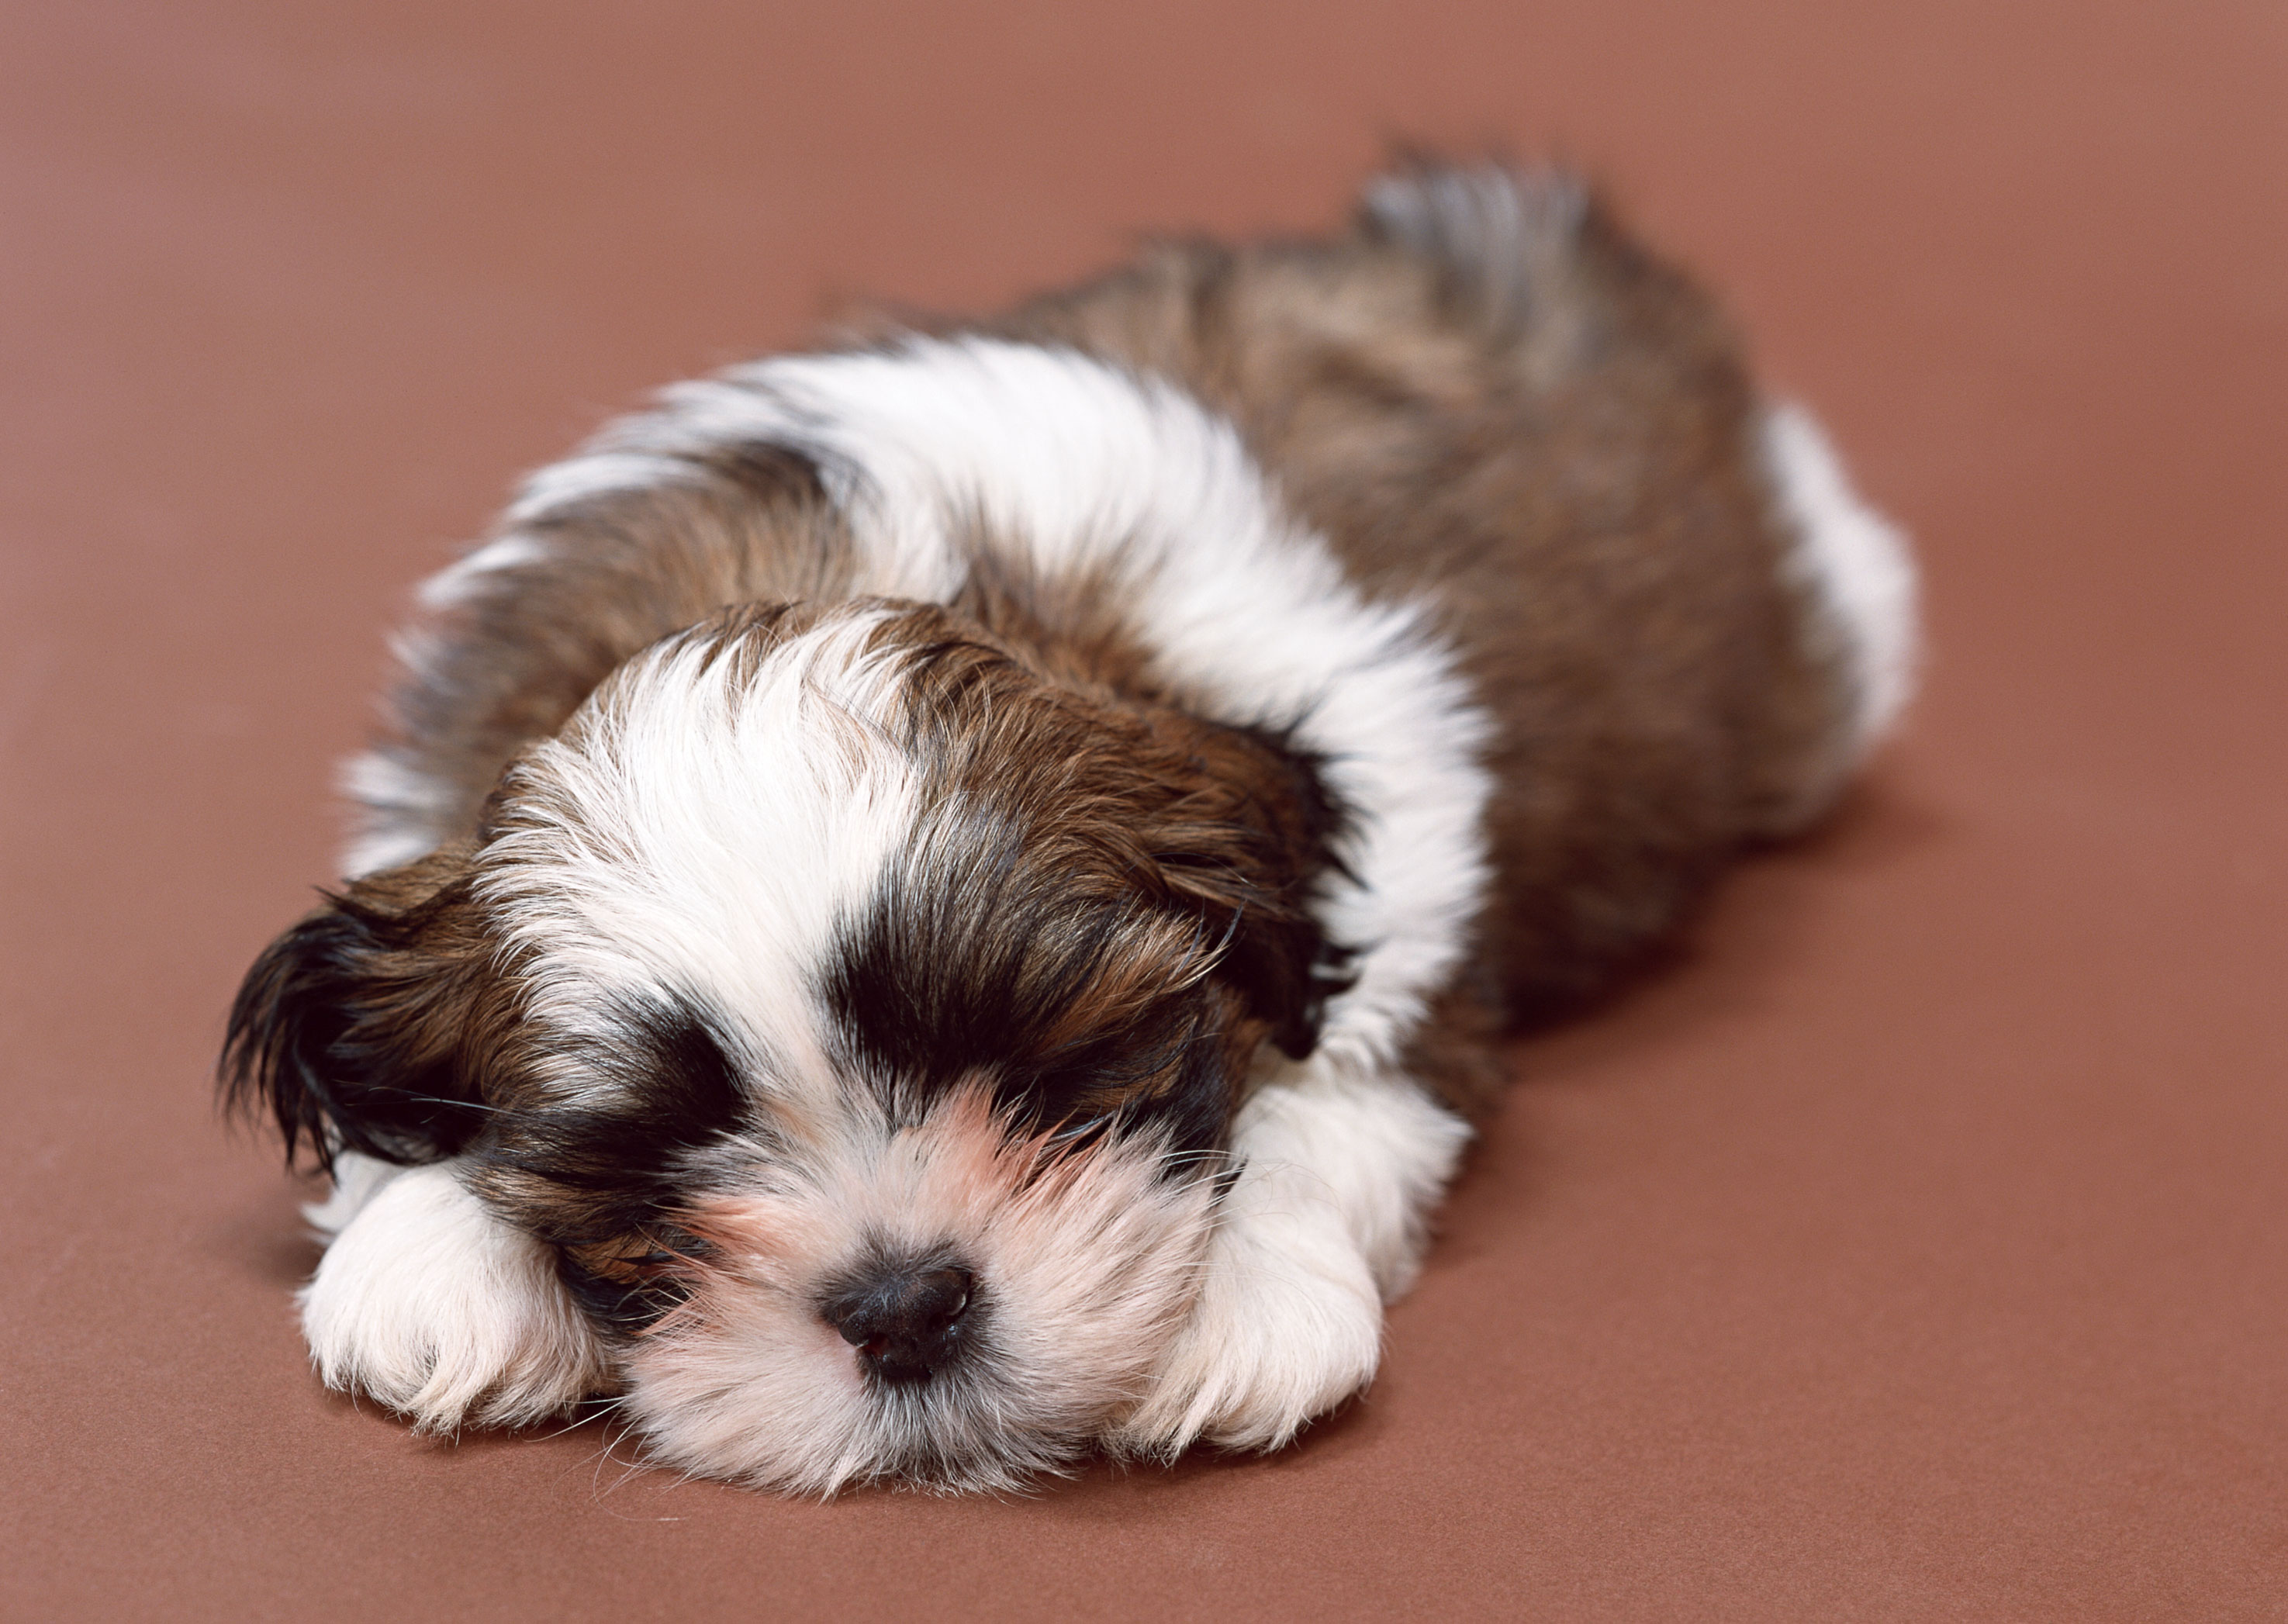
(1324, 1224)
(1273, 1341)
(428, 1302)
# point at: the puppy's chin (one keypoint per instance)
(1085, 1263)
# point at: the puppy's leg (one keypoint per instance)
(1325, 1223)
(429, 1302)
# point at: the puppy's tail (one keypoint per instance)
(1503, 238)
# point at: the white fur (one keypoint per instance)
(402, 806)
(1856, 562)
(427, 1302)
(1083, 1272)
(1325, 1225)
(705, 837)
(449, 587)
(561, 485)
(1080, 465)
(357, 1180)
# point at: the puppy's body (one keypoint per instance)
(925, 894)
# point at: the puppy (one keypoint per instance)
(942, 905)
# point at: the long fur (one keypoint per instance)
(1063, 805)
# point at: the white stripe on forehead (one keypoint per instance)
(1077, 465)
(701, 833)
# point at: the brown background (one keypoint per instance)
(1916, 1249)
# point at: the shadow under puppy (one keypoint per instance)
(940, 905)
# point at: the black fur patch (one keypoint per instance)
(632, 1291)
(962, 965)
(317, 1036)
(1287, 966)
(666, 1087)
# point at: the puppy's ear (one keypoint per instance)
(354, 1030)
(1253, 847)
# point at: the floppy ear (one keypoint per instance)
(1259, 842)
(353, 1029)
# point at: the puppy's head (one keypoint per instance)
(859, 1004)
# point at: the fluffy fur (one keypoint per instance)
(428, 1302)
(943, 905)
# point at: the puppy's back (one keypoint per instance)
(1489, 395)
(1485, 396)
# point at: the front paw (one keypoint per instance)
(1324, 1224)
(1288, 1325)
(428, 1302)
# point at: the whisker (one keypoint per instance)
(432, 1099)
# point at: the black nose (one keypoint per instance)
(905, 1318)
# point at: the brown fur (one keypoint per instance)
(1218, 831)
(514, 659)
(724, 1102)
(390, 1011)
(1561, 456)
(1572, 477)
(1197, 842)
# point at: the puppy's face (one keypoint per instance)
(858, 1011)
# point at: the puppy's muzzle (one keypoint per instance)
(907, 1320)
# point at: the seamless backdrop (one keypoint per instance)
(1915, 1248)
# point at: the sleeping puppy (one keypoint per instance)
(943, 905)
